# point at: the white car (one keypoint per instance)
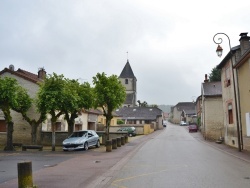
(183, 123)
(81, 140)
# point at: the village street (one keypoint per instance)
(171, 157)
(176, 159)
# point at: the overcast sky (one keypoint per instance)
(169, 43)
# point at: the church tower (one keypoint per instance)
(129, 80)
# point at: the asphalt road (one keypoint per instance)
(171, 157)
(176, 159)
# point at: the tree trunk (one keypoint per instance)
(53, 137)
(34, 132)
(10, 129)
(70, 127)
(107, 127)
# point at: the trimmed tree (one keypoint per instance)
(82, 98)
(12, 96)
(51, 98)
(22, 107)
(109, 94)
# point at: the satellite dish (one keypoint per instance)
(11, 67)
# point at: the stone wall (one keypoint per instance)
(214, 127)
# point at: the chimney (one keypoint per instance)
(41, 73)
(206, 80)
(244, 43)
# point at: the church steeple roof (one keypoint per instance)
(127, 71)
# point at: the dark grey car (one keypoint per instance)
(131, 130)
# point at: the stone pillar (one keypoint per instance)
(114, 143)
(25, 174)
(126, 138)
(118, 141)
(122, 140)
(108, 146)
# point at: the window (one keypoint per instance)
(126, 81)
(230, 114)
(58, 126)
(3, 127)
(78, 127)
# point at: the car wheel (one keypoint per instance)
(98, 144)
(130, 135)
(65, 150)
(86, 147)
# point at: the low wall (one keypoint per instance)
(141, 129)
(46, 138)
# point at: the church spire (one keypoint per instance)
(127, 71)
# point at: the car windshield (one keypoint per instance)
(78, 134)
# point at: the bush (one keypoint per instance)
(119, 121)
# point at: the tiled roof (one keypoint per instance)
(23, 74)
(127, 71)
(139, 113)
(188, 107)
(94, 111)
(212, 88)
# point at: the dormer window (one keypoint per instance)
(126, 81)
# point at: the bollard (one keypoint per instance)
(126, 138)
(118, 141)
(25, 174)
(114, 143)
(108, 146)
(122, 140)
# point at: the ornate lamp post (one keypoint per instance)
(219, 51)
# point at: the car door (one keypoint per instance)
(91, 138)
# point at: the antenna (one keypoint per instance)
(127, 55)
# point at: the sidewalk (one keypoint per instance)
(243, 155)
(85, 168)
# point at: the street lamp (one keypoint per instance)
(219, 51)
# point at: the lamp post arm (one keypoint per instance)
(219, 40)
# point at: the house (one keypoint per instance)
(129, 81)
(102, 119)
(242, 69)
(141, 115)
(235, 91)
(198, 110)
(183, 111)
(212, 115)
(87, 119)
(29, 81)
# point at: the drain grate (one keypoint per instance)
(97, 161)
(247, 178)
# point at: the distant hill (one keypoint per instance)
(165, 108)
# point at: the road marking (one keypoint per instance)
(116, 182)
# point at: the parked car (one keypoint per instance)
(81, 140)
(192, 128)
(164, 123)
(183, 123)
(131, 130)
